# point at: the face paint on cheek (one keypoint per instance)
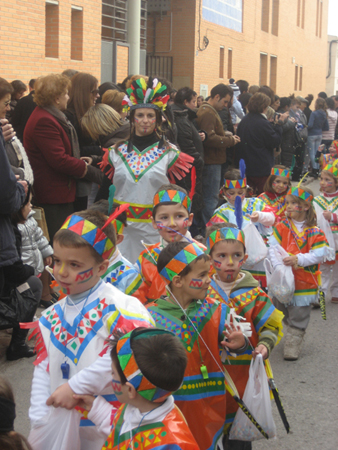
(65, 290)
(117, 387)
(196, 283)
(241, 262)
(153, 120)
(84, 276)
(159, 224)
(217, 265)
(185, 223)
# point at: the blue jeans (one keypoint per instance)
(211, 186)
(313, 142)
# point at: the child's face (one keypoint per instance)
(173, 216)
(296, 209)
(280, 185)
(227, 259)
(195, 285)
(333, 151)
(26, 209)
(75, 269)
(231, 194)
(120, 390)
(327, 183)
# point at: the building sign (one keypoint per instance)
(227, 13)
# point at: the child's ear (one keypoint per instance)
(177, 281)
(246, 256)
(103, 267)
(132, 392)
(154, 224)
(119, 239)
(190, 219)
(306, 207)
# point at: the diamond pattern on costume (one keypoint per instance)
(140, 162)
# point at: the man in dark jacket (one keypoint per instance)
(215, 146)
(22, 113)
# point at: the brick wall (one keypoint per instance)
(122, 58)
(23, 39)
(292, 41)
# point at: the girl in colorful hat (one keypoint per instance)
(140, 165)
(307, 247)
(326, 207)
(275, 190)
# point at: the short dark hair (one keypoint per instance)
(67, 238)
(18, 86)
(244, 99)
(171, 250)
(218, 226)
(268, 184)
(258, 103)
(184, 94)
(167, 187)
(69, 73)
(222, 90)
(243, 85)
(267, 91)
(284, 101)
(103, 207)
(309, 98)
(232, 174)
(31, 83)
(330, 103)
(323, 95)
(5, 88)
(161, 358)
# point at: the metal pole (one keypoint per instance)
(134, 32)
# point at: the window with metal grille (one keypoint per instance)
(114, 20)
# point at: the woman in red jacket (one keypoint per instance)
(53, 150)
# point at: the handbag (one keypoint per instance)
(20, 306)
(41, 220)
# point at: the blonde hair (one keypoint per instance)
(270, 113)
(100, 120)
(135, 77)
(48, 88)
(113, 98)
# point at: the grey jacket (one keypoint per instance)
(35, 247)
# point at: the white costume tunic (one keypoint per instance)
(75, 333)
(137, 177)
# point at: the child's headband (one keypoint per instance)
(131, 369)
(119, 226)
(298, 192)
(332, 168)
(237, 184)
(173, 196)
(280, 172)
(224, 233)
(180, 261)
(335, 143)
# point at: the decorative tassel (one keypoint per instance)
(105, 162)
(242, 168)
(238, 212)
(39, 347)
(112, 190)
(181, 167)
(193, 182)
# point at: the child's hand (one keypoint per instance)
(62, 397)
(234, 336)
(48, 261)
(85, 401)
(290, 260)
(254, 217)
(327, 215)
(260, 350)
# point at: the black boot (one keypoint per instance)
(18, 348)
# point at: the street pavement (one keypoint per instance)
(308, 387)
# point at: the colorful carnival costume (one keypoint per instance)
(276, 203)
(122, 274)
(321, 203)
(253, 303)
(164, 428)
(202, 395)
(73, 335)
(226, 213)
(327, 159)
(138, 174)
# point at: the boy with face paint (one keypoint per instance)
(148, 417)
(172, 219)
(238, 289)
(201, 325)
(254, 210)
(71, 351)
(329, 158)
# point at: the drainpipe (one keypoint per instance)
(134, 35)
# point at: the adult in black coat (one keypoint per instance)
(190, 139)
(22, 113)
(259, 138)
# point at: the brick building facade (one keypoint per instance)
(279, 43)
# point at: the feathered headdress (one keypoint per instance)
(237, 184)
(146, 95)
(332, 168)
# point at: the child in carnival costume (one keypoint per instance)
(275, 190)
(148, 364)
(120, 273)
(201, 324)
(171, 216)
(239, 290)
(326, 207)
(307, 247)
(254, 210)
(139, 166)
(328, 158)
(72, 333)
